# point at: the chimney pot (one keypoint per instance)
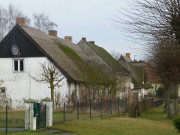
(53, 33)
(21, 21)
(83, 38)
(69, 38)
(128, 55)
(92, 42)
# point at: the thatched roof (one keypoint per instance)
(102, 58)
(125, 59)
(79, 63)
(137, 71)
(49, 45)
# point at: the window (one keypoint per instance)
(18, 65)
(2, 91)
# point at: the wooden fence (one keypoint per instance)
(144, 105)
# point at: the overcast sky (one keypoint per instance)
(82, 18)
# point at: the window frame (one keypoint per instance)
(2, 91)
(19, 65)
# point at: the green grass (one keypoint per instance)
(118, 126)
(152, 122)
(156, 114)
(15, 119)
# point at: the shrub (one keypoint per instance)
(132, 110)
(159, 92)
(176, 122)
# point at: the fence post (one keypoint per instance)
(64, 111)
(78, 109)
(101, 108)
(110, 106)
(126, 104)
(6, 119)
(118, 105)
(90, 108)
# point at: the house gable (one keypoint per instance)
(18, 38)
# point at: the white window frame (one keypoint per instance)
(18, 59)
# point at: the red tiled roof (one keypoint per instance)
(150, 75)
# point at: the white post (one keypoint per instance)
(49, 111)
(30, 120)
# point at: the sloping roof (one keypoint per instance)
(125, 59)
(102, 58)
(49, 45)
(73, 60)
(137, 71)
(150, 75)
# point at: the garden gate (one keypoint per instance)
(41, 117)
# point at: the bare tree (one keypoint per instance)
(51, 76)
(8, 19)
(157, 23)
(42, 22)
(116, 55)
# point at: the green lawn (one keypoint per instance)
(153, 122)
(15, 119)
(156, 114)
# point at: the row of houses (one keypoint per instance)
(146, 81)
(84, 67)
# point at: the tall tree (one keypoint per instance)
(8, 19)
(42, 22)
(11, 13)
(157, 23)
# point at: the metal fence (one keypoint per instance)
(13, 119)
(79, 110)
(90, 109)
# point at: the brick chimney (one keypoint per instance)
(53, 33)
(128, 55)
(69, 38)
(84, 38)
(21, 21)
(92, 42)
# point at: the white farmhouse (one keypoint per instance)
(25, 48)
(21, 53)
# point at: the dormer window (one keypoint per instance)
(18, 65)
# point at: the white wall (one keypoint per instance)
(21, 85)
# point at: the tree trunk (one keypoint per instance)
(52, 95)
(173, 100)
(52, 89)
(166, 97)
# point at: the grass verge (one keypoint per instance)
(152, 122)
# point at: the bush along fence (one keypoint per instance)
(136, 109)
(90, 109)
